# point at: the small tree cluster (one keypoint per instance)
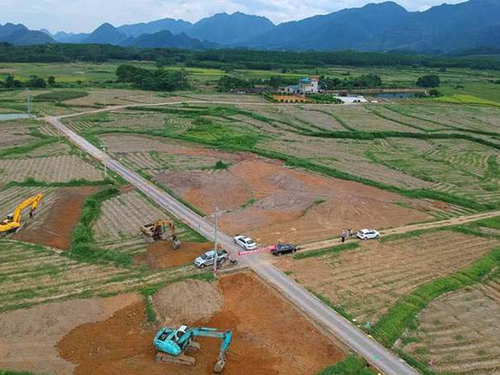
(154, 80)
(431, 80)
(364, 81)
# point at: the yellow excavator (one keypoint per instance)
(156, 231)
(13, 221)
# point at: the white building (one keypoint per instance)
(305, 86)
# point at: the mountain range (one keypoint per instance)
(375, 27)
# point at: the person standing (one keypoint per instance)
(350, 233)
(343, 235)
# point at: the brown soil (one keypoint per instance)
(269, 337)
(57, 228)
(290, 205)
(188, 301)
(162, 255)
(28, 337)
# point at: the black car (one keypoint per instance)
(283, 248)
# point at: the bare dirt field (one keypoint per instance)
(367, 281)
(57, 227)
(162, 255)
(272, 202)
(265, 331)
(459, 332)
(28, 337)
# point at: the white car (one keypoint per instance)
(245, 242)
(367, 234)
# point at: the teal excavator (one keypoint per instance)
(172, 344)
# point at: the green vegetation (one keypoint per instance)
(83, 243)
(428, 81)
(60, 96)
(401, 316)
(17, 150)
(158, 80)
(364, 81)
(328, 251)
(31, 182)
(10, 372)
(352, 365)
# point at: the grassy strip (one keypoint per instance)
(352, 365)
(27, 147)
(10, 372)
(329, 250)
(331, 305)
(31, 182)
(401, 316)
(83, 242)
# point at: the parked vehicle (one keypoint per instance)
(208, 258)
(283, 248)
(367, 234)
(245, 242)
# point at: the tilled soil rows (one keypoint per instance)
(51, 169)
(266, 336)
(459, 332)
(367, 281)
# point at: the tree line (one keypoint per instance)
(235, 58)
(33, 82)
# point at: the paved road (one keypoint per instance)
(341, 328)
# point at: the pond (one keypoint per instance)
(396, 95)
(13, 116)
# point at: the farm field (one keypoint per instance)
(264, 198)
(367, 281)
(459, 332)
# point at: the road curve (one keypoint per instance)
(344, 330)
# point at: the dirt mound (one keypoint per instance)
(57, 228)
(188, 301)
(266, 333)
(28, 337)
(162, 255)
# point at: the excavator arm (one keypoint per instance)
(13, 222)
(174, 342)
(155, 230)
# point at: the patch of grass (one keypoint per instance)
(331, 305)
(83, 242)
(221, 165)
(327, 251)
(352, 365)
(31, 182)
(11, 372)
(60, 96)
(18, 150)
(467, 99)
(392, 324)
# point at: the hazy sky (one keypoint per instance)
(86, 15)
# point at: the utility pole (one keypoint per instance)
(104, 162)
(29, 102)
(217, 215)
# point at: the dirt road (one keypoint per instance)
(408, 228)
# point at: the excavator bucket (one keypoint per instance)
(219, 366)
